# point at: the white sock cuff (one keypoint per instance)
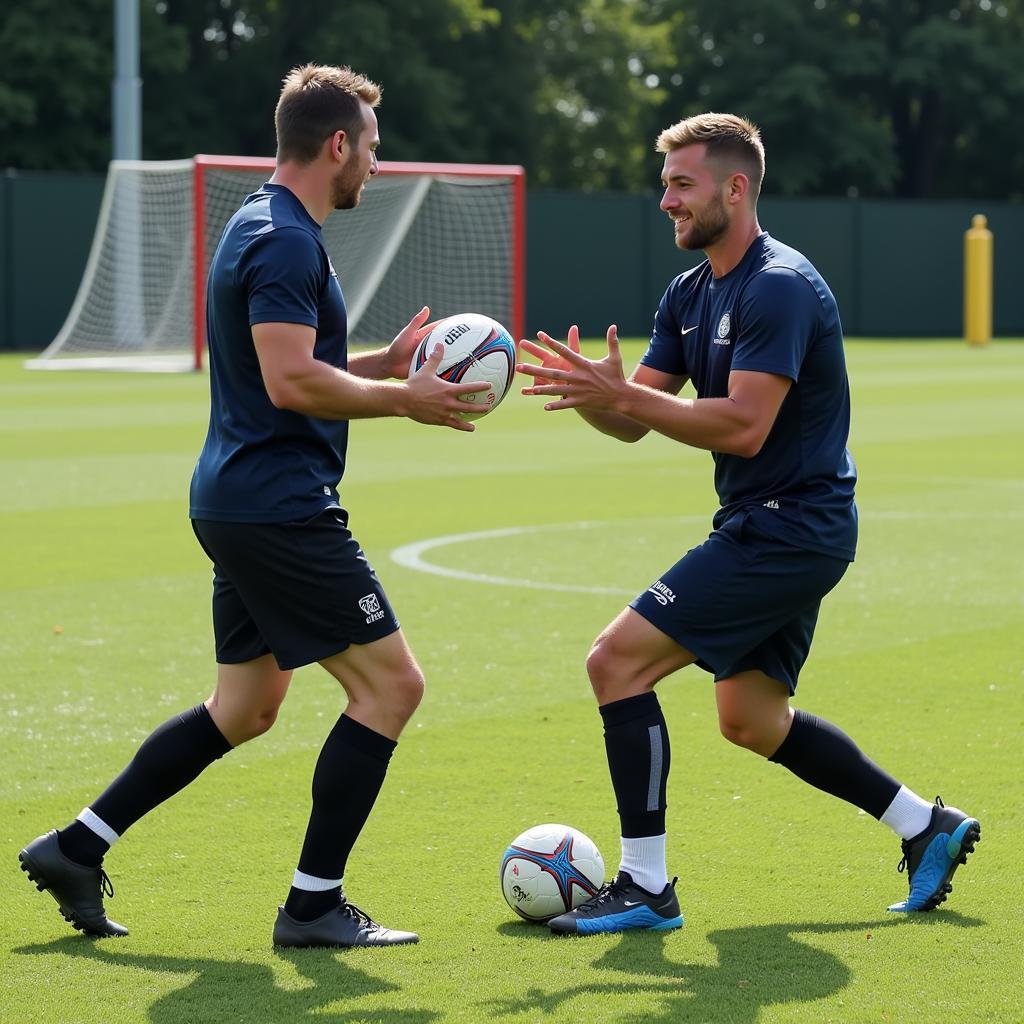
(99, 826)
(643, 859)
(310, 883)
(908, 815)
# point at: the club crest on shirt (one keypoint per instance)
(722, 334)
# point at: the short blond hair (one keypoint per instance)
(731, 140)
(316, 101)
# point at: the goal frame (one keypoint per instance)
(203, 162)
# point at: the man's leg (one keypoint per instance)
(384, 685)
(754, 712)
(625, 663)
(312, 596)
(244, 704)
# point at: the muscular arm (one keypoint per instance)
(738, 424)
(297, 381)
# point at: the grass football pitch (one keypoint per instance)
(504, 552)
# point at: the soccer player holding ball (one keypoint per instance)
(757, 331)
(291, 585)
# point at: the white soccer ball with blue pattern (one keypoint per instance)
(549, 870)
(476, 348)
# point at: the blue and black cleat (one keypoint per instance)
(620, 905)
(931, 857)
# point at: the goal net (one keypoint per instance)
(449, 236)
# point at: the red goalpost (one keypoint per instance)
(451, 236)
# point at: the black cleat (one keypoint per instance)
(621, 905)
(78, 889)
(931, 857)
(341, 927)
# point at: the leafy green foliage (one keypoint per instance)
(868, 97)
(865, 97)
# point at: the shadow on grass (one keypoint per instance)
(757, 967)
(221, 991)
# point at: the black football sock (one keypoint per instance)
(824, 756)
(349, 774)
(636, 742)
(79, 843)
(168, 760)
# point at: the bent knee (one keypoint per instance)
(737, 731)
(601, 663)
(393, 703)
(409, 690)
(396, 693)
(252, 723)
(613, 674)
(760, 737)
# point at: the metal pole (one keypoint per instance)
(126, 89)
(978, 282)
(129, 329)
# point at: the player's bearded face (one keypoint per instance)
(707, 225)
(348, 183)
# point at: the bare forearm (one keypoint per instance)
(614, 425)
(370, 365)
(738, 424)
(714, 424)
(327, 393)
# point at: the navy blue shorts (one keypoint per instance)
(300, 591)
(743, 600)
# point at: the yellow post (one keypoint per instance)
(978, 282)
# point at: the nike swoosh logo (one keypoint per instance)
(626, 903)
(686, 330)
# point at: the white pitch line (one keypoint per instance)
(410, 555)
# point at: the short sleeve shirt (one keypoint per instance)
(772, 313)
(261, 463)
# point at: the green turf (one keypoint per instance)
(105, 633)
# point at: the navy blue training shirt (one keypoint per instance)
(261, 464)
(771, 313)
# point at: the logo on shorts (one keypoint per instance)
(772, 503)
(662, 594)
(371, 606)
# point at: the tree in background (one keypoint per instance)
(55, 80)
(865, 97)
(221, 100)
(585, 89)
(916, 98)
(512, 81)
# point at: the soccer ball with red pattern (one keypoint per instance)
(548, 870)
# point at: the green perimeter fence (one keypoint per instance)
(896, 267)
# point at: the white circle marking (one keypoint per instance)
(411, 555)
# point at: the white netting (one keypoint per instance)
(136, 293)
(443, 240)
